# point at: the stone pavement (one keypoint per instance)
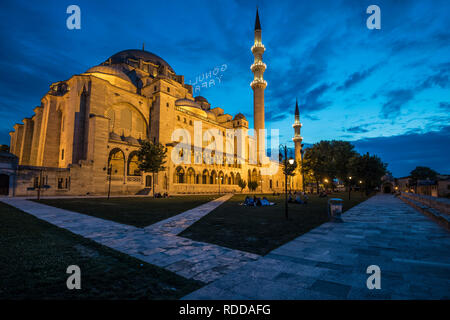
(176, 224)
(330, 262)
(158, 244)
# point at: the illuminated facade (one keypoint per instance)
(96, 120)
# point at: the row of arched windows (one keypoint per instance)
(205, 177)
(119, 163)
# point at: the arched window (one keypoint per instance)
(117, 162)
(205, 176)
(133, 164)
(179, 175)
(212, 178)
(190, 176)
(254, 175)
(238, 178)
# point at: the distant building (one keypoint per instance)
(440, 187)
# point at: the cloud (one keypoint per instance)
(357, 129)
(273, 117)
(396, 100)
(314, 100)
(444, 105)
(356, 78)
(439, 79)
(404, 152)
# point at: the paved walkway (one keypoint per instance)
(330, 262)
(157, 244)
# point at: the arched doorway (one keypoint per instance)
(148, 181)
(4, 184)
(387, 188)
(117, 162)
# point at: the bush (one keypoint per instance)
(242, 184)
(252, 185)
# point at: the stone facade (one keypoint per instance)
(97, 119)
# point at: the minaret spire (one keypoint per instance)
(258, 85)
(298, 146)
(257, 23)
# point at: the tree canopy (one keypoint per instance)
(422, 173)
(338, 160)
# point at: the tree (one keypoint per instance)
(421, 173)
(369, 169)
(252, 185)
(152, 157)
(242, 184)
(317, 162)
(342, 152)
(289, 169)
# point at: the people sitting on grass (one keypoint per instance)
(305, 198)
(248, 201)
(257, 202)
(298, 199)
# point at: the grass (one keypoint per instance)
(137, 211)
(261, 229)
(34, 256)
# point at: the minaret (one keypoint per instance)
(258, 85)
(298, 147)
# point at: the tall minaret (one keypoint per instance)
(258, 85)
(298, 148)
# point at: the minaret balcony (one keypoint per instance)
(259, 65)
(258, 83)
(297, 139)
(297, 125)
(258, 48)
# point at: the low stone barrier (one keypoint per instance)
(440, 217)
(440, 204)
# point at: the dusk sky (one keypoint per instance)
(386, 91)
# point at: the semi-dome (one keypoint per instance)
(200, 98)
(239, 116)
(122, 56)
(109, 70)
(187, 102)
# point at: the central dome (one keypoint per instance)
(122, 56)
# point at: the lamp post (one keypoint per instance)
(291, 161)
(349, 186)
(218, 179)
(109, 173)
(303, 172)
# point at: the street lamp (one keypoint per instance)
(218, 179)
(303, 172)
(109, 172)
(349, 187)
(291, 161)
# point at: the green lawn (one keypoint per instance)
(262, 229)
(34, 256)
(137, 211)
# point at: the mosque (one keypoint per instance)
(97, 119)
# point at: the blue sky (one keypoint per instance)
(386, 91)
